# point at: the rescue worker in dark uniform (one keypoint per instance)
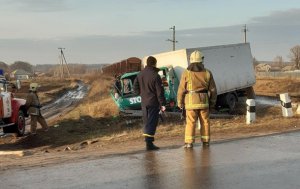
(197, 93)
(149, 85)
(33, 108)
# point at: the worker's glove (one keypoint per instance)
(180, 106)
(183, 114)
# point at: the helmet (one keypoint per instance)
(196, 57)
(33, 86)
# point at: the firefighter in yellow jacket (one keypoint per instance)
(197, 93)
(33, 108)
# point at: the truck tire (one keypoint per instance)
(19, 127)
(231, 100)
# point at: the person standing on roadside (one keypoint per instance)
(33, 108)
(197, 93)
(148, 84)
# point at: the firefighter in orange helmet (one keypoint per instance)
(197, 93)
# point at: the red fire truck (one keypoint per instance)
(12, 110)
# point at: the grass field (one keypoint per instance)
(95, 126)
(97, 118)
(272, 87)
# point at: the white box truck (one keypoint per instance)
(231, 66)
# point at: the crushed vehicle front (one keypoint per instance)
(124, 97)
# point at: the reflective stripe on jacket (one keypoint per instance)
(197, 90)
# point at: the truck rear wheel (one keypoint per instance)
(231, 101)
(20, 124)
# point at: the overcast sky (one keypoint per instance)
(106, 31)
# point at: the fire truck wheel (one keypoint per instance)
(20, 124)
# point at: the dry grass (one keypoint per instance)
(94, 128)
(98, 103)
(96, 118)
(272, 87)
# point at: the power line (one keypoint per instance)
(245, 30)
(173, 40)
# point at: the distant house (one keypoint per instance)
(39, 74)
(288, 68)
(262, 67)
(20, 74)
(275, 69)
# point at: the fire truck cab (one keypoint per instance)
(12, 110)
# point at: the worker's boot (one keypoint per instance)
(151, 146)
(188, 145)
(205, 144)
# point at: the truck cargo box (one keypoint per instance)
(231, 65)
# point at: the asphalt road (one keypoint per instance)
(260, 162)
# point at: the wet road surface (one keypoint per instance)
(260, 162)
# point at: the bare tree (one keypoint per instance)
(278, 61)
(77, 68)
(21, 65)
(295, 56)
(4, 66)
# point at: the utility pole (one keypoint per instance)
(245, 29)
(63, 64)
(173, 40)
